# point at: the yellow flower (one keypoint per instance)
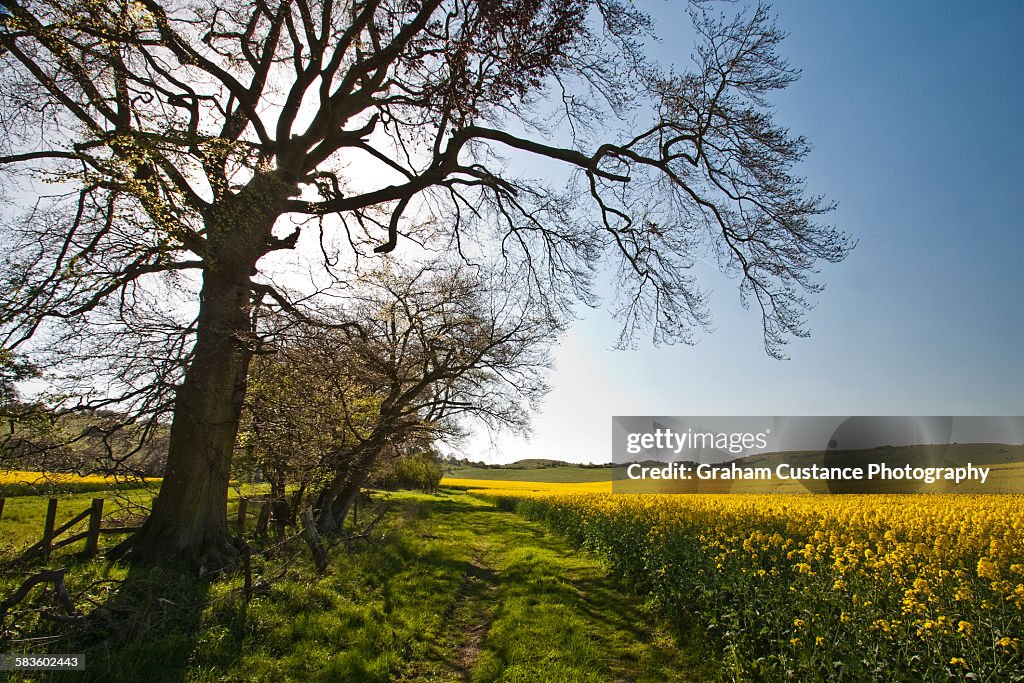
(987, 569)
(881, 624)
(938, 566)
(1008, 643)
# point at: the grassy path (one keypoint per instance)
(457, 592)
(531, 608)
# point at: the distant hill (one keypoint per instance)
(534, 463)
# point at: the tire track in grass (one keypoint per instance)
(479, 590)
(455, 529)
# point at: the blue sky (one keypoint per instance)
(916, 113)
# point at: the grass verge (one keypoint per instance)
(456, 590)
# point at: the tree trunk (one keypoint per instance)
(296, 503)
(336, 500)
(189, 524)
(327, 520)
(348, 497)
(279, 507)
(189, 519)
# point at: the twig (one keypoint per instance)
(54, 576)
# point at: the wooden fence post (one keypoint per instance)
(51, 518)
(264, 519)
(243, 508)
(313, 539)
(92, 541)
(355, 511)
(2, 500)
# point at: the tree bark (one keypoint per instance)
(337, 501)
(188, 524)
(348, 498)
(280, 510)
(337, 498)
(326, 518)
(189, 519)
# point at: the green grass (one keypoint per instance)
(21, 523)
(456, 590)
(569, 474)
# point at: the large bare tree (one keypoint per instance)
(210, 138)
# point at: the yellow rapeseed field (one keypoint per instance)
(29, 477)
(825, 587)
